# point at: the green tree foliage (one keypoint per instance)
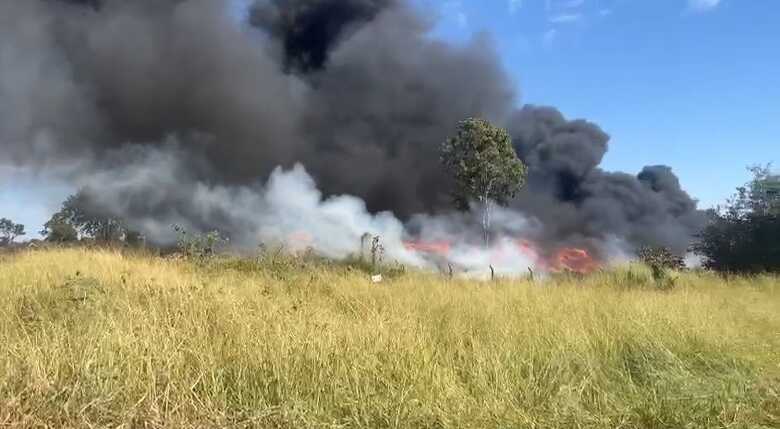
(484, 165)
(9, 231)
(90, 220)
(79, 216)
(761, 196)
(745, 235)
(59, 230)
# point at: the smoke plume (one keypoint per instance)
(174, 111)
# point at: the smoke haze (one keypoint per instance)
(173, 112)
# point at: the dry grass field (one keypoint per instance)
(101, 338)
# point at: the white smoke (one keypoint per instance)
(290, 210)
(693, 261)
(504, 257)
(292, 204)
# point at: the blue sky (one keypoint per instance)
(694, 84)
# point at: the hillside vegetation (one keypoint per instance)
(101, 338)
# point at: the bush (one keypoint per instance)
(661, 261)
(741, 245)
(198, 246)
(743, 237)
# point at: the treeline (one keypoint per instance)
(78, 220)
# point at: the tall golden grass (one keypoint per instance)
(98, 338)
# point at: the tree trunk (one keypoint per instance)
(486, 207)
(486, 222)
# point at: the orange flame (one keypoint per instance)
(436, 247)
(575, 260)
(563, 259)
(299, 241)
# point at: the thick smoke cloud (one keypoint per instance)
(150, 102)
(581, 202)
(384, 104)
(308, 30)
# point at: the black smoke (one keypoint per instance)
(356, 90)
(579, 202)
(308, 30)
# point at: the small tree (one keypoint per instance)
(484, 165)
(59, 230)
(90, 220)
(9, 231)
(81, 217)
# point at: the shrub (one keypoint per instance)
(661, 261)
(196, 245)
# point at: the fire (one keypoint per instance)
(299, 241)
(528, 249)
(563, 259)
(575, 260)
(436, 247)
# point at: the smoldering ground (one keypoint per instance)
(176, 111)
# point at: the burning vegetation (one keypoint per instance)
(560, 259)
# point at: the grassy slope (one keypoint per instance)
(95, 338)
